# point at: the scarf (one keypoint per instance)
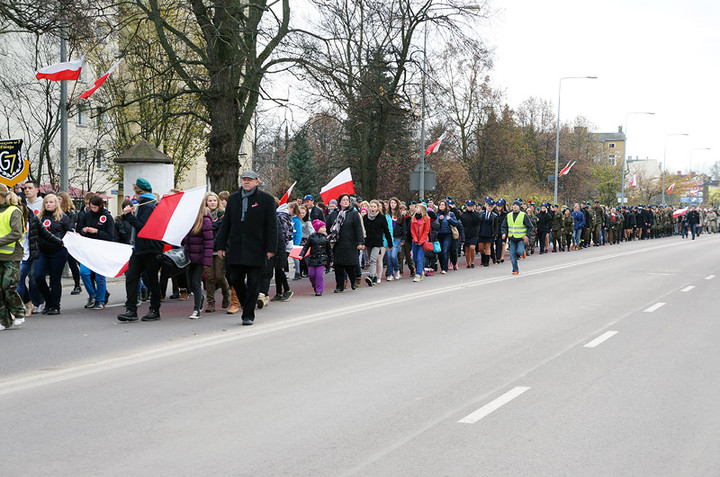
(335, 229)
(372, 216)
(245, 196)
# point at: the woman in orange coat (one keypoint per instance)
(420, 230)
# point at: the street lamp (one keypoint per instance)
(557, 135)
(664, 160)
(622, 173)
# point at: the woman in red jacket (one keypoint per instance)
(198, 245)
(420, 230)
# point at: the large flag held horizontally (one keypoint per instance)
(680, 212)
(100, 80)
(434, 147)
(286, 197)
(566, 169)
(671, 188)
(67, 71)
(109, 259)
(341, 184)
(173, 216)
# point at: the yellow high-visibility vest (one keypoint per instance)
(516, 228)
(6, 229)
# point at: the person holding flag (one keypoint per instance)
(96, 223)
(143, 256)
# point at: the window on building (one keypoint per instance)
(611, 145)
(81, 154)
(613, 159)
(100, 161)
(81, 119)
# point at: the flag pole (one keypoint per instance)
(63, 118)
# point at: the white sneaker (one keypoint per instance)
(398, 276)
(443, 272)
(389, 278)
(18, 321)
(417, 278)
(2, 327)
(195, 315)
(377, 280)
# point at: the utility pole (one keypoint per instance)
(63, 118)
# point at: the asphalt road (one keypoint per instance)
(599, 362)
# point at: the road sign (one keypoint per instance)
(429, 178)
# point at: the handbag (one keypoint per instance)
(455, 232)
(428, 246)
(436, 247)
(174, 261)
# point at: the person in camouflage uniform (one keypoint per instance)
(568, 225)
(619, 224)
(12, 309)
(712, 218)
(557, 229)
(598, 221)
(534, 221)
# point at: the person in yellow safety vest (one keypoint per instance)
(11, 253)
(516, 228)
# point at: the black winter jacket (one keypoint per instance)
(375, 230)
(320, 251)
(56, 227)
(101, 220)
(35, 232)
(143, 246)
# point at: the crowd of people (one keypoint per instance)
(239, 242)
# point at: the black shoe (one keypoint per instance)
(53, 311)
(76, 291)
(90, 303)
(277, 297)
(247, 322)
(98, 305)
(174, 296)
(338, 290)
(354, 285)
(287, 295)
(152, 315)
(318, 294)
(369, 281)
(107, 297)
(129, 315)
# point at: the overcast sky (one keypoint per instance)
(652, 56)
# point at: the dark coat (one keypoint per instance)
(199, 247)
(489, 225)
(320, 251)
(56, 227)
(544, 222)
(399, 230)
(102, 221)
(35, 232)
(123, 230)
(247, 242)
(143, 246)
(471, 222)
(375, 230)
(345, 251)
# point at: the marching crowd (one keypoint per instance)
(239, 242)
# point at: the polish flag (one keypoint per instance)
(341, 184)
(109, 259)
(680, 212)
(671, 188)
(173, 216)
(566, 169)
(434, 147)
(100, 80)
(70, 70)
(286, 197)
(295, 252)
(633, 181)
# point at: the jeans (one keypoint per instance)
(317, 278)
(517, 248)
(577, 236)
(28, 292)
(393, 263)
(445, 243)
(99, 293)
(419, 258)
(52, 264)
(694, 230)
(194, 278)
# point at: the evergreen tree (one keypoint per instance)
(302, 166)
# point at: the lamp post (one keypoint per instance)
(422, 120)
(622, 173)
(664, 161)
(557, 134)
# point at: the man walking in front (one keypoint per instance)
(247, 238)
(517, 228)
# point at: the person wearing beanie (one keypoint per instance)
(517, 228)
(320, 258)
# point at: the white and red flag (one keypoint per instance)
(633, 181)
(680, 212)
(671, 188)
(67, 71)
(100, 80)
(286, 197)
(566, 169)
(109, 259)
(173, 216)
(341, 184)
(436, 145)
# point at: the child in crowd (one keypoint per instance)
(320, 257)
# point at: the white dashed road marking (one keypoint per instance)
(688, 288)
(601, 339)
(654, 307)
(493, 406)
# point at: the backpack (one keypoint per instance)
(286, 226)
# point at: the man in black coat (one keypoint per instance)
(314, 212)
(248, 236)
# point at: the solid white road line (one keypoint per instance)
(493, 406)
(688, 288)
(654, 307)
(709, 277)
(601, 339)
